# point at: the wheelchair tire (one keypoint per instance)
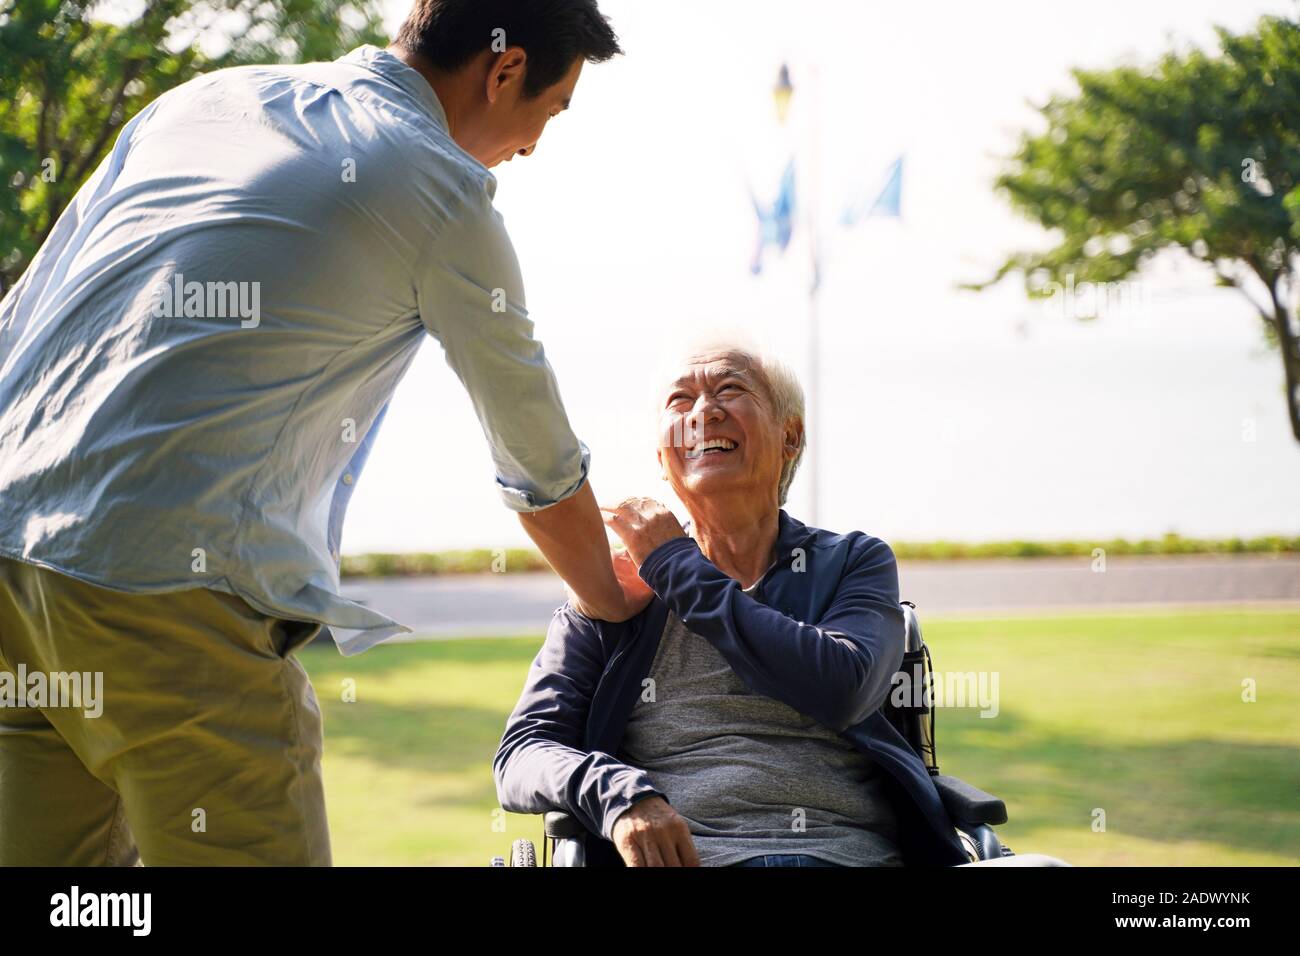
(523, 853)
(968, 844)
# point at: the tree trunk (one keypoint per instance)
(1289, 344)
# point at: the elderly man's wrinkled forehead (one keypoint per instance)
(713, 364)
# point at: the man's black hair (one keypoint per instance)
(554, 33)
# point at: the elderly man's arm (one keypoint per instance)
(837, 670)
(540, 764)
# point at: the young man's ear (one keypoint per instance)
(504, 69)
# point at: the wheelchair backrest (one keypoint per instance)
(909, 705)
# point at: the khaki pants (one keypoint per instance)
(207, 748)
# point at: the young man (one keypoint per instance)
(191, 373)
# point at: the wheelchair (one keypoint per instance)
(973, 812)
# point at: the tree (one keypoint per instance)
(70, 81)
(1200, 153)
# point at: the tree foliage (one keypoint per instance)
(1199, 153)
(70, 80)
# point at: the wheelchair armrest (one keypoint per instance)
(559, 825)
(969, 804)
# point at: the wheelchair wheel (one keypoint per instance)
(523, 853)
(968, 844)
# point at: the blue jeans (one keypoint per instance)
(784, 859)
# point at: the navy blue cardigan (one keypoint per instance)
(558, 749)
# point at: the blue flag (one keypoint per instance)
(887, 203)
(775, 222)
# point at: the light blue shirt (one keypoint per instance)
(195, 363)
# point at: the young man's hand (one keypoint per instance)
(625, 569)
(652, 833)
(636, 592)
(571, 537)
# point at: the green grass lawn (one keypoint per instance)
(1138, 715)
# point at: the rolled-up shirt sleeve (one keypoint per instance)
(470, 295)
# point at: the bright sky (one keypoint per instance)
(944, 414)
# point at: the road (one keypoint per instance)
(513, 604)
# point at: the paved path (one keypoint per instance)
(500, 604)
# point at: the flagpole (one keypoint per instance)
(814, 409)
(814, 412)
(890, 196)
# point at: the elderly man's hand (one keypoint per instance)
(652, 833)
(643, 524)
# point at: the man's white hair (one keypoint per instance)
(782, 383)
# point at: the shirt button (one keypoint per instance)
(347, 479)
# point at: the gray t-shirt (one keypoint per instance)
(750, 774)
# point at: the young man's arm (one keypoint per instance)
(572, 536)
(471, 298)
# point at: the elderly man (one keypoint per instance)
(736, 719)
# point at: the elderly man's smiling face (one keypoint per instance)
(719, 430)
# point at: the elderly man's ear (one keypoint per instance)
(793, 438)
